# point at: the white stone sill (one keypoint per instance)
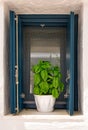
(56, 115)
(33, 120)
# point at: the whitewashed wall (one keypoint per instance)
(4, 59)
(82, 59)
(1, 59)
(85, 59)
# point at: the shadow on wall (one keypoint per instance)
(80, 61)
(6, 63)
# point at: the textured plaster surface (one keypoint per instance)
(44, 6)
(25, 122)
(36, 122)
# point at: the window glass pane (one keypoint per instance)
(47, 43)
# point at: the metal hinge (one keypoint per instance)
(16, 108)
(16, 74)
(68, 76)
(16, 18)
(66, 95)
(22, 95)
(16, 67)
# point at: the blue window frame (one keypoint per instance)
(68, 21)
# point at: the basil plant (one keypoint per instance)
(47, 79)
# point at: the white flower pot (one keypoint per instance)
(44, 103)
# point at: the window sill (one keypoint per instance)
(57, 114)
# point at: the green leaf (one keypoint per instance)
(60, 75)
(50, 71)
(55, 93)
(50, 77)
(61, 87)
(50, 91)
(44, 75)
(47, 79)
(57, 68)
(37, 79)
(46, 65)
(36, 90)
(50, 86)
(55, 82)
(55, 72)
(44, 87)
(36, 68)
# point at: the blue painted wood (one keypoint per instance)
(76, 64)
(33, 106)
(71, 84)
(20, 54)
(46, 24)
(44, 16)
(12, 62)
(44, 20)
(49, 20)
(36, 21)
(71, 58)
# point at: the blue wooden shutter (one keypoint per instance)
(20, 64)
(12, 62)
(70, 65)
(71, 98)
(16, 100)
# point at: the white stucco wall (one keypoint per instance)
(85, 59)
(1, 59)
(4, 59)
(62, 122)
(82, 59)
